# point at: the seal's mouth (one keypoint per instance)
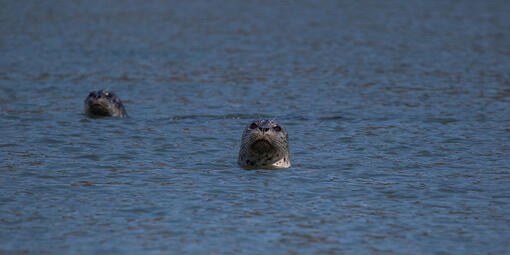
(262, 146)
(98, 109)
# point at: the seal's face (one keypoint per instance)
(104, 103)
(264, 145)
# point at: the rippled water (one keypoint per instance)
(398, 114)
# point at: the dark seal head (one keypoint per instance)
(265, 144)
(104, 103)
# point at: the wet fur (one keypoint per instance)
(103, 103)
(264, 147)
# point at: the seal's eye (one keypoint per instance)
(92, 94)
(277, 128)
(253, 125)
(108, 95)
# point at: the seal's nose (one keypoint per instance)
(263, 129)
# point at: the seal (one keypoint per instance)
(104, 103)
(264, 144)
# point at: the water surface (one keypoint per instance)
(398, 114)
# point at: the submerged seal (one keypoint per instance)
(265, 144)
(104, 103)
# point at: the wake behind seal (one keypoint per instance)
(103, 103)
(264, 144)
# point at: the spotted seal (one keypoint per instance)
(265, 144)
(104, 103)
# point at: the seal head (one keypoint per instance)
(265, 144)
(104, 103)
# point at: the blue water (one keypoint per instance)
(398, 114)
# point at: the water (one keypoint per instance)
(398, 114)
